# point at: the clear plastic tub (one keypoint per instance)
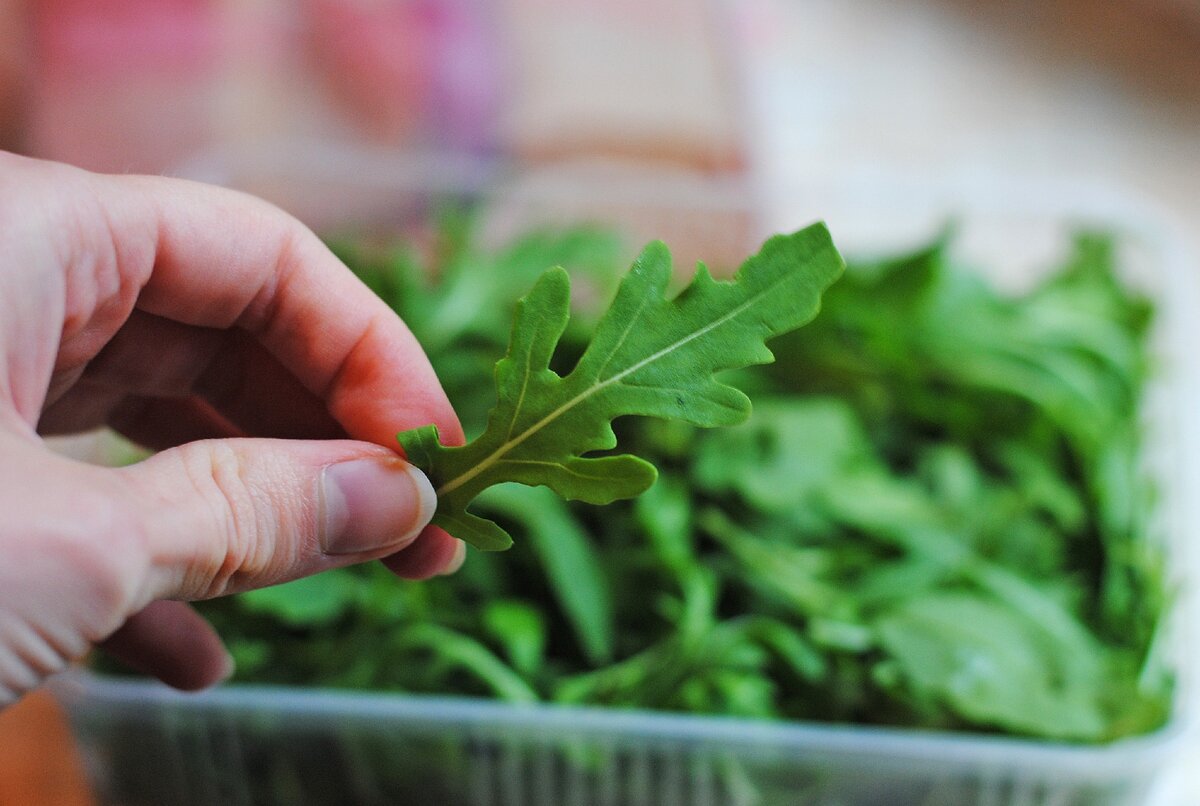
(145, 744)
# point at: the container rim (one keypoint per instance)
(81, 688)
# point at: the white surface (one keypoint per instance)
(935, 89)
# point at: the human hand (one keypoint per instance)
(213, 327)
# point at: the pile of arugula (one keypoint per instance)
(933, 517)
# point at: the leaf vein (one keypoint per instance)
(624, 335)
(512, 423)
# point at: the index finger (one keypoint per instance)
(212, 257)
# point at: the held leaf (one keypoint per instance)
(649, 356)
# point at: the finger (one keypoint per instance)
(228, 515)
(151, 422)
(434, 552)
(152, 358)
(248, 386)
(147, 355)
(155, 357)
(162, 423)
(217, 259)
(171, 641)
(83, 407)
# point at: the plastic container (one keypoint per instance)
(145, 744)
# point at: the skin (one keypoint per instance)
(216, 329)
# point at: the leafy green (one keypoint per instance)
(988, 663)
(935, 517)
(648, 356)
(573, 566)
(309, 601)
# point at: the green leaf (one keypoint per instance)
(664, 514)
(570, 564)
(649, 356)
(796, 651)
(306, 602)
(989, 664)
(784, 453)
(520, 628)
(456, 651)
(790, 573)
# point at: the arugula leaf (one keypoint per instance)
(315, 600)
(994, 666)
(521, 629)
(573, 570)
(453, 651)
(649, 356)
(784, 454)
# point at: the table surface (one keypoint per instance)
(38, 762)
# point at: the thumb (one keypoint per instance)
(222, 516)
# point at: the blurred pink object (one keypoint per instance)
(123, 85)
(142, 85)
(377, 60)
(14, 55)
(410, 70)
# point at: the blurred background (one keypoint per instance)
(781, 91)
(786, 88)
(773, 95)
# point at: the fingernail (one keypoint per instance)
(228, 669)
(457, 559)
(373, 504)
